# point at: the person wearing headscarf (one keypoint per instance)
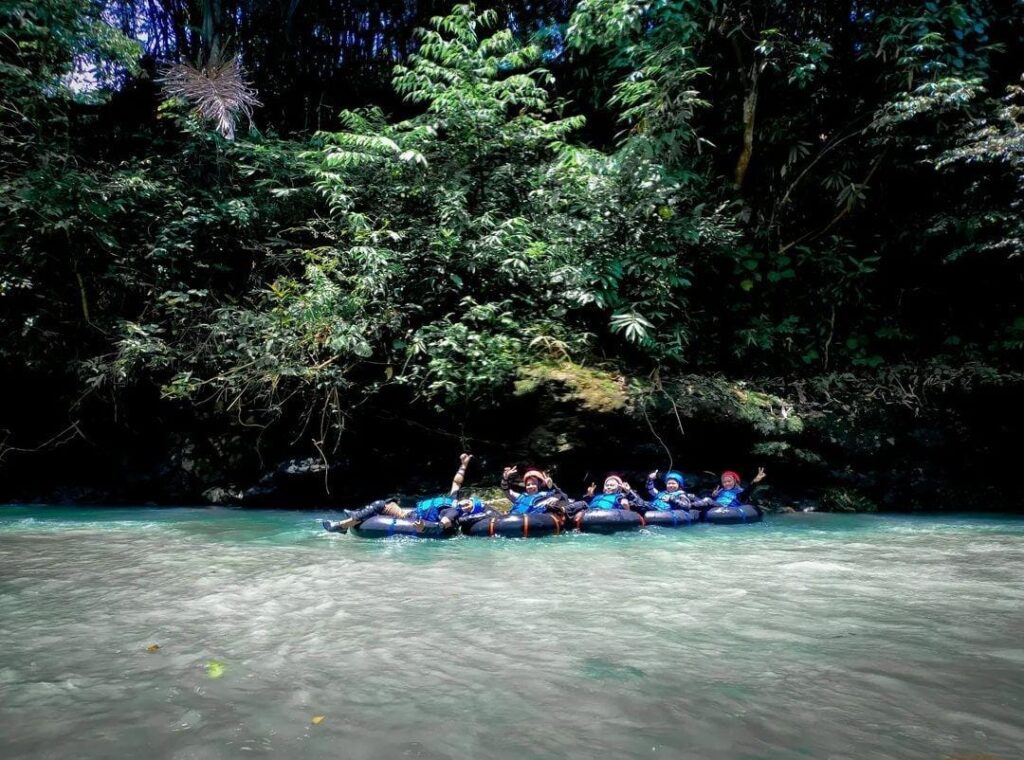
(539, 494)
(729, 492)
(616, 493)
(672, 496)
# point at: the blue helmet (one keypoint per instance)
(674, 475)
(475, 505)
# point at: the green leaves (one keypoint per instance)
(294, 279)
(942, 96)
(650, 49)
(635, 327)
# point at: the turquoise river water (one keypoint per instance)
(807, 636)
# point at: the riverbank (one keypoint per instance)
(905, 441)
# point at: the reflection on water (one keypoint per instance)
(811, 636)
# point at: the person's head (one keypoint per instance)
(730, 479)
(612, 484)
(470, 506)
(533, 481)
(673, 481)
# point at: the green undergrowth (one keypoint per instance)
(591, 389)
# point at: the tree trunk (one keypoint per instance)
(749, 111)
(211, 27)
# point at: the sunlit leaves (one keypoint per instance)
(634, 326)
(943, 95)
(650, 46)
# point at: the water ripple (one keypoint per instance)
(812, 637)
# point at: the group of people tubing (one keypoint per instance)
(540, 495)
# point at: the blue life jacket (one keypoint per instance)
(530, 503)
(606, 501)
(430, 509)
(726, 498)
(666, 500)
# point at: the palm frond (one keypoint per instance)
(218, 91)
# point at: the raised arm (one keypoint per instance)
(630, 497)
(753, 483)
(553, 487)
(460, 474)
(506, 474)
(651, 488)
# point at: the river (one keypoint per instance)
(214, 633)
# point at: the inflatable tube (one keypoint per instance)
(672, 518)
(384, 526)
(606, 520)
(733, 515)
(466, 522)
(516, 526)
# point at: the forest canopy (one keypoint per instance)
(416, 200)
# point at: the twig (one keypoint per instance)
(668, 453)
(73, 427)
(327, 466)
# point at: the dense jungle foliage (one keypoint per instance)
(814, 199)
